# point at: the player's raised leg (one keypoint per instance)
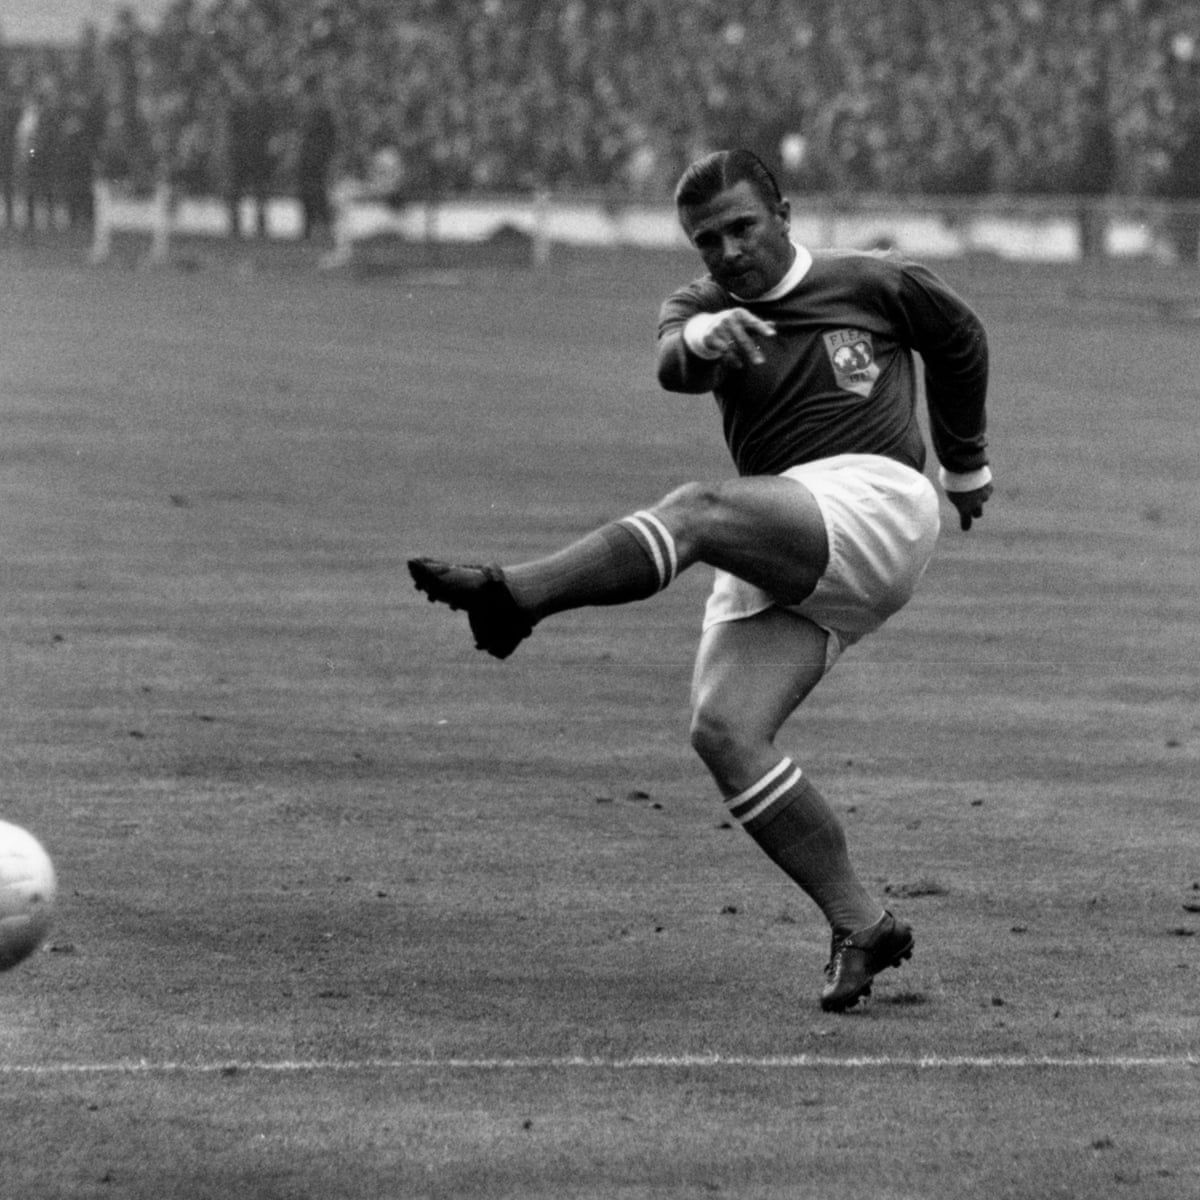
(767, 530)
(750, 675)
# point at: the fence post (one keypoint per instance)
(160, 229)
(101, 221)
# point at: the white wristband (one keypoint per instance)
(964, 481)
(696, 330)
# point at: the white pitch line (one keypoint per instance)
(634, 1063)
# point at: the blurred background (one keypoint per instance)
(1089, 109)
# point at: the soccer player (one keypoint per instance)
(823, 535)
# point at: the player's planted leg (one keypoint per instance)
(751, 674)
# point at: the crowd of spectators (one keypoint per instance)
(246, 97)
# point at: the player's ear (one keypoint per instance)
(783, 210)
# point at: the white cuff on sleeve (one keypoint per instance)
(696, 330)
(965, 481)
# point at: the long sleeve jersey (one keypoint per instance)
(839, 375)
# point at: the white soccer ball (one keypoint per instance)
(27, 891)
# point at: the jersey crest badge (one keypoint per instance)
(852, 356)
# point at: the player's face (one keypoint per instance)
(744, 241)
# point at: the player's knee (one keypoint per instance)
(718, 738)
(689, 509)
(691, 500)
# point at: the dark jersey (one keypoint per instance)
(839, 375)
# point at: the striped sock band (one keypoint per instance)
(756, 804)
(657, 541)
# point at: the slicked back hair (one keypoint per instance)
(722, 169)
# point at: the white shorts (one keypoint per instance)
(882, 521)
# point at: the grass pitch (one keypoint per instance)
(350, 910)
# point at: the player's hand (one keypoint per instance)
(970, 504)
(733, 336)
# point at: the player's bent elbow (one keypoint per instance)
(670, 376)
(676, 373)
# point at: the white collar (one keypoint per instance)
(791, 279)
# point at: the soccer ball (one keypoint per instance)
(27, 892)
